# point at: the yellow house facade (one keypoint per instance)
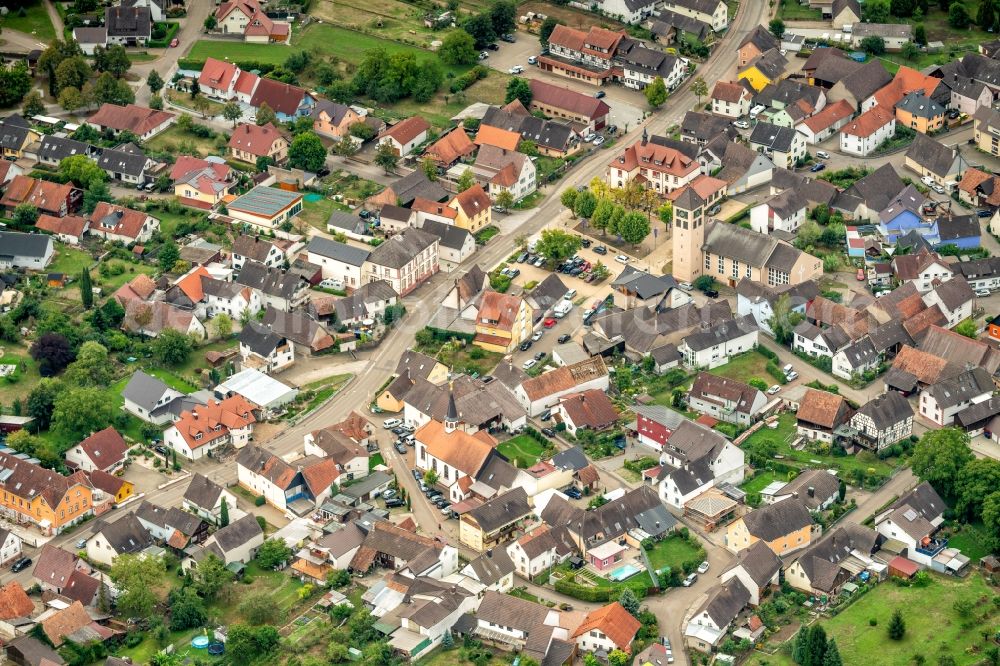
(503, 322)
(472, 208)
(784, 527)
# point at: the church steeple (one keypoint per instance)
(451, 417)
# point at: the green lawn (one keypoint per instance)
(673, 552)
(791, 10)
(175, 140)
(972, 541)
(24, 380)
(523, 451)
(169, 221)
(745, 367)
(374, 461)
(70, 260)
(760, 481)
(933, 627)
(34, 22)
(316, 213)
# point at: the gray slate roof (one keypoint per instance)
(348, 254)
(16, 244)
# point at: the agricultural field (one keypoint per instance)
(390, 19)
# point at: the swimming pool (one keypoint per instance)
(199, 642)
(312, 197)
(623, 572)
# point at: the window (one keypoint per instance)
(722, 266)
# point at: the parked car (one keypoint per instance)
(612, 129)
(526, 345)
(484, 55)
(389, 424)
(516, 69)
(599, 94)
(599, 140)
(507, 37)
(703, 567)
(416, 474)
(689, 581)
(817, 167)
(792, 376)
(539, 356)
(493, 47)
(741, 124)
(546, 415)
(331, 283)
(548, 432)
(445, 509)
(860, 275)
(394, 503)
(532, 60)
(548, 323)
(159, 448)
(513, 272)
(174, 43)
(522, 257)
(774, 389)
(529, 364)
(712, 293)
(21, 564)
(686, 286)
(564, 338)
(984, 212)
(537, 336)
(573, 492)
(486, 379)
(81, 543)
(400, 448)
(622, 259)
(600, 249)
(982, 293)
(389, 493)
(822, 154)
(570, 295)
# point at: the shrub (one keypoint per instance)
(259, 500)
(872, 622)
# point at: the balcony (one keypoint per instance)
(931, 547)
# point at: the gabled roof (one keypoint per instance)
(406, 130)
(760, 563)
(136, 119)
(202, 492)
(402, 248)
(281, 97)
(126, 535)
(762, 38)
(105, 448)
(869, 122)
(773, 137)
(774, 521)
(255, 139)
(451, 147)
(14, 602)
(933, 155)
(713, 388)
(237, 533)
(501, 510)
(567, 99)
(822, 408)
(614, 622)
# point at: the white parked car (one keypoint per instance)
(686, 286)
(703, 567)
(774, 389)
(516, 69)
(331, 283)
(982, 293)
(537, 336)
(927, 180)
(741, 124)
(792, 376)
(598, 140)
(622, 259)
(389, 424)
(530, 363)
(570, 295)
(937, 188)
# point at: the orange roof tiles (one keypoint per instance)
(14, 602)
(136, 119)
(869, 122)
(191, 284)
(47, 196)
(406, 130)
(255, 139)
(729, 92)
(198, 426)
(117, 220)
(905, 81)
(494, 136)
(71, 225)
(830, 115)
(613, 621)
(458, 448)
(927, 368)
(472, 201)
(422, 205)
(500, 310)
(655, 158)
(821, 408)
(453, 146)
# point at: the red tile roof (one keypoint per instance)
(132, 118)
(234, 412)
(451, 147)
(728, 91)
(14, 602)
(255, 139)
(115, 219)
(574, 102)
(217, 74)
(46, 196)
(613, 621)
(869, 122)
(406, 130)
(281, 97)
(590, 409)
(473, 200)
(494, 136)
(105, 448)
(71, 225)
(830, 115)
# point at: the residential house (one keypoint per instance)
(716, 345)
(254, 248)
(583, 55)
(660, 167)
(566, 104)
(472, 206)
(236, 542)
(757, 568)
(711, 621)
(986, 130)
(542, 548)
(940, 402)
(150, 399)
(308, 336)
(116, 223)
(855, 359)
(641, 66)
(456, 456)
(104, 450)
(369, 301)
(16, 134)
(784, 527)
(10, 547)
(405, 260)
(883, 421)
(868, 131)
(912, 520)
(42, 497)
(125, 536)
(783, 145)
(929, 157)
(757, 41)
(277, 288)
(249, 142)
(824, 567)
(744, 168)
(920, 113)
(226, 81)
(504, 321)
(591, 410)
(286, 100)
(455, 244)
(533, 628)
(730, 100)
(451, 147)
(266, 207)
(845, 13)
(923, 269)
(820, 414)
(758, 300)
(492, 523)
(713, 12)
(263, 349)
(345, 443)
(172, 527)
(28, 251)
(128, 26)
(506, 171)
(767, 68)
(205, 428)
(129, 165)
(894, 35)
(655, 424)
(334, 120)
(54, 149)
(205, 498)
(694, 459)
(299, 486)
(635, 288)
(783, 212)
(610, 627)
(202, 182)
(818, 489)
(954, 298)
(405, 135)
(47, 197)
(821, 126)
(340, 262)
(141, 121)
(726, 399)
(540, 393)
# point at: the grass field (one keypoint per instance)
(673, 552)
(389, 19)
(316, 213)
(522, 451)
(760, 481)
(27, 376)
(575, 18)
(972, 541)
(175, 139)
(933, 627)
(34, 22)
(745, 367)
(69, 260)
(791, 10)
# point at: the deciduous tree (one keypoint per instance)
(232, 112)
(273, 553)
(171, 347)
(939, 457)
(386, 157)
(306, 152)
(53, 353)
(656, 93)
(33, 105)
(634, 227)
(81, 171)
(557, 245)
(519, 89)
(265, 114)
(458, 48)
(136, 577)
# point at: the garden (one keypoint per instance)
(526, 449)
(456, 351)
(679, 553)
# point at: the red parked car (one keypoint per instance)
(861, 275)
(549, 323)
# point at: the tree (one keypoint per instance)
(246, 644)
(634, 228)
(545, 31)
(800, 647)
(910, 51)
(210, 23)
(504, 200)
(816, 648)
(430, 477)
(666, 213)
(273, 553)
(386, 157)
(71, 99)
(338, 578)
(113, 60)
(777, 27)
(585, 204)
(33, 105)
(602, 214)
(958, 16)
(503, 14)
(211, 575)
(990, 512)
(617, 215)
(481, 28)
(264, 161)
(155, 82)
(307, 152)
(903, 8)
(53, 353)
(618, 657)
(939, 456)
(258, 608)
(42, 401)
(92, 366)
(832, 656)
(967, 327)
(81, 171)
(25, 214)
(465, 181)
(458, 48)
(73, 72)
(362, 131)
(568, 198)
(841, 491)
(986, 17)
(875, 11)
(81, 410)
(110, 90)
(873, 44)
(557, 245)
(976, 479)
(699, 88)
(168, 256)
(136, 577)
(656, 92)
(519, 89)
(187, 610)
(223, 325)
(629, 601)
(171, 347)
(265, 114)
(897, 626)
(232, 112)
(920, 34)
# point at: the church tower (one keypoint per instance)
(688, 235)
(451, 418)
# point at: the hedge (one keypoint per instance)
(766, 353)
(445, 335)
(603, 594)
(246, 65)
(172, 28)
(776, 372)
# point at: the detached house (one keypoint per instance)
(263, 349)
(405, 135)
(784, 527)
(820, 414)
(712, 12)
(141, 121)
(712, 346)
(49, 198)
(504, 321)
(606, 629)
(783, 145)
(334, 120)
(659, 167)
(868, 131)
(405, 260)
(731, 100)
(883, 421)
(940, 402)
(472, 207)
(710, 623)
(287, 101)
(824, 567)
(929, 157)
(540, 549)
(209, 427)
(757, 568)
(204, 498)
(913, 520)
(125, 536)
(298, 486)
(237, 542)
(113, 222)
(249, 142)
(726, 399)
(104, 450)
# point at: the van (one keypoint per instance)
(562, 309)
(788, 368)
(755, 111)
(822, 154)
(532, 60)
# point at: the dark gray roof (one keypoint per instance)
(58, 148)
(770, 63)
(347, 222)
(961, 388)
(760, 563)
(543, 132)
(954, 293)
(720, 333)
(501, 510)
(888, 335)
(668, 19)
(862, 81)
(399, 250)
(861, 353)
(335, 110)
(932, 155)
(492, 566)
(762, 38)
(821, 561)
(841, 5)
(645, 285)
(12, 135)
(660, 414)
(16, 244)
(702, 127)
(977, 414)
(955, 227)
(777, 520)
(237, 533)
(128, 21)
(557, 538)
(202, 492)
(259, 338)
(348, 254)
(126, 535)
(415, 184)
(514, 612)
(118, 161)
(572, 458)
(923, 499)
(977, 269)
(787, 203)
(773, 137)
(144, 390)
(450, 235)
(886, 410)
(823, 483)
(656, 521)
(920, 105)
(726, 601)
(271, 281)
(297, 326)
(876, 190)
(787, 92)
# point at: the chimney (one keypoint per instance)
(795, 495)
(811, 491)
